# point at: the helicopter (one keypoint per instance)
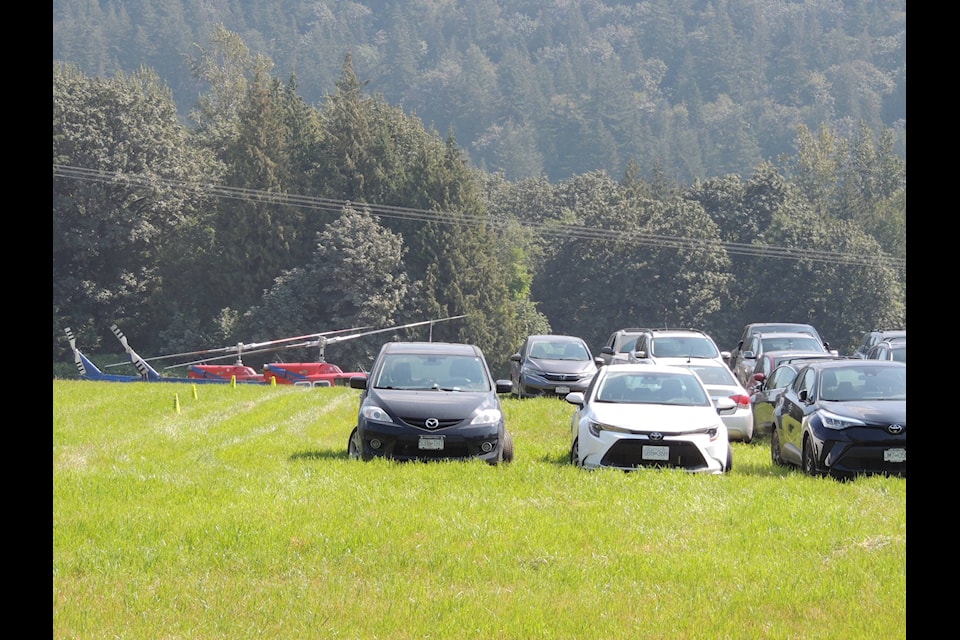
(201, 370)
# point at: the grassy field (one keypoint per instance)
(210, 511)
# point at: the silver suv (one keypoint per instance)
(676, 346)
(617, 348)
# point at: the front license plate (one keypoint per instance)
(562, 391)
(895, 455)
(655, 452)
(433, 443)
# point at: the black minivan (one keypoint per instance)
(430, 401)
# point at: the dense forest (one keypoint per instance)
(260, 213)
(693, 88)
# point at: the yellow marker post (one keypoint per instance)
(194, 391)
(233, 381)
(176, 402)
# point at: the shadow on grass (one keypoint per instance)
(326, 454)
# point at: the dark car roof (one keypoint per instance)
(439, 348)
(754, 327)
(791, 355)
(854, 363)
(555, 337)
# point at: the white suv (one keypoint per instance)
(676, 346)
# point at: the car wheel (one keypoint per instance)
(575, 453)
(810, 466)
(729, 464)
(354, 446)
(776, 456)
(507, 453)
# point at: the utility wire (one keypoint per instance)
(448, 217)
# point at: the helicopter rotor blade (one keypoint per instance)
(239, 348)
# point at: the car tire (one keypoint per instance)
(810, 466)
(776, 455)
(506, 454)
(354, 446)
(575, 453)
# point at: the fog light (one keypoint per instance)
(486, 447)
(375, 444)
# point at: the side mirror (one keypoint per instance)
(504, 386)
(358, 382)
(575, 397)
(803, 395)
(515, 357)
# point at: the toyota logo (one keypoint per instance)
(431, 423)
(656, 435)
(895, 428)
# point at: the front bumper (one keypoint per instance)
(403, 442)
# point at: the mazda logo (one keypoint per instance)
(656, 435)
(895, 428)
(431, 423)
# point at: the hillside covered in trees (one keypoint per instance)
(690, 88)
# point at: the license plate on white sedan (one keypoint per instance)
(433, 443)
(655, 452)
(895, 455)
(562, 391)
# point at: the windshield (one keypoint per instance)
(558, 350)
(863, 383)
(792, 343)
(448, 373)
(684, 347)
(652, 388)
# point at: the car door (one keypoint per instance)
(793, 406)
(744, 366)
(516, 364)
(764, 400)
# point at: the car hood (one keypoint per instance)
(891, 411)
(444, 405)
(656, 417)
(563, 366)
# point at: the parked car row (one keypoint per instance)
(654, 397)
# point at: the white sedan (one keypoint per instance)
(721, 383)
(649, 415)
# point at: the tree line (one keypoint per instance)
(704, 87)
(265, 216)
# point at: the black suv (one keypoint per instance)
(617, 348)
(430, 401)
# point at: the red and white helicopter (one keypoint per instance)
(316, 373)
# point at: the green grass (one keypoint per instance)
(240, 516)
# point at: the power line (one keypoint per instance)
(448, 217)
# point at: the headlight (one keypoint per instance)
(596, 427)
(487, 416)
(375, 413)
(530, 370)
(833, 421)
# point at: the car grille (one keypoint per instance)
(562, 377)
(420, 423)
(629, 453)
(409, 449)
(869, 460)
